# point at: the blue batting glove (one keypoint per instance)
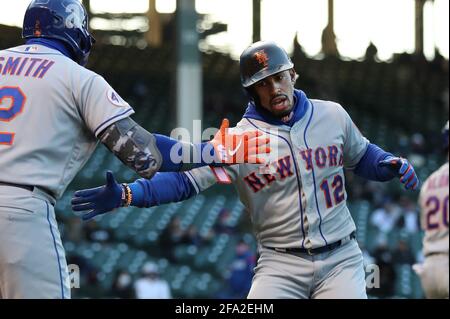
(100, 200)
(404, 171)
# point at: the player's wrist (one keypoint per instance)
(127, 196)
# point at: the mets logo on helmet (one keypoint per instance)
(262, 58)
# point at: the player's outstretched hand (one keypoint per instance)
(404, 171)
(237, 148)
(95, 201)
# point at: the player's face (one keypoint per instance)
(276, 93)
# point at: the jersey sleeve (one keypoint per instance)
(100, 106)
(355, 144)
(204, 177)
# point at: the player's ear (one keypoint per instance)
(293, 75)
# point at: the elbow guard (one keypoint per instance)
(134, 146)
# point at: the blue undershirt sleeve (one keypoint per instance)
(369, 168)
(163, 188)
(172, 150)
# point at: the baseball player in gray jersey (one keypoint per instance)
(433, 201)
(52, 111)
(297, 201)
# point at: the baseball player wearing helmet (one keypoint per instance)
(297, 201)
(52, 111)
(433, 201)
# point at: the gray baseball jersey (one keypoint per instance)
(51, 110)
(433, 202)
(299, 198)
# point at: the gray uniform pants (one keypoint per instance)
(32, 259)
(338, 274)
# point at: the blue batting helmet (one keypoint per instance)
(261, 60)
(64, 20)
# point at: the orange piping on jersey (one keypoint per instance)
(221, 175)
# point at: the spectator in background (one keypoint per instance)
(371, 52)
(95, 233)
(73, 230)
(222, 225)
(122, 286)
(383, 258)
(89, 284)
(403, 254)
(385, 218)
(193, 237)
(418, 145)
(409, 221)
(240, 273)
(171, 236)
(150, 285)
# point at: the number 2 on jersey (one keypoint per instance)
(12, 100)
(435, 206)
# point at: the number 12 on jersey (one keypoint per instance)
(12, 100)
(337, 186)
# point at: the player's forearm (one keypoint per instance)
(162, 189)
(148, 153)
(180, 156)
(134, 146)
(369, 168)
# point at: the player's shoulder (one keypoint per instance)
(330, 110)
(83, 75)
(325, 105)
(244, 124)
(443, 170)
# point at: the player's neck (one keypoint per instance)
(288, 117)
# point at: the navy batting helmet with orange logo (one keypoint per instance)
(262, 59)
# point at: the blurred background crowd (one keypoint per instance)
(204, 247)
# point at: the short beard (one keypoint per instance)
(251, 94)
(284, 114)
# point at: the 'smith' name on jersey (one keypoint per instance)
(25, 66)
(321, 158)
